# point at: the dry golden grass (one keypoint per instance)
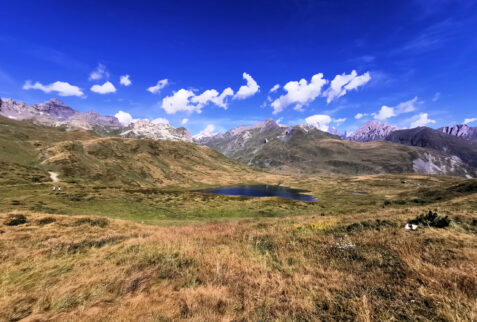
(351, 267)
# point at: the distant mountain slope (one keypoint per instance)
(235, 142)
(307, 149)
(372, 131)
(461, 130)
(56, 113)
(429, 138)
(78, 155)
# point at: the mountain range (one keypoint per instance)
(375, 147)
(379, 131)
(307, 149)
(56, 113)
(459, 140)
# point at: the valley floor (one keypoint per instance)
(344, 257)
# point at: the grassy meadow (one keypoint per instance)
(118, 253)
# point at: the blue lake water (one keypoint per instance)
(262, 191)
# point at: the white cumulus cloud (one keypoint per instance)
(248, 90)
(184, 121)
(299, 93)
(106, 88)
(421, 120)
(99, 73)
(275, 88)
(124, 118)
(160, 120)
(179, 101)
(211, 95)
(320, 121)
(124, 80)
(467, 121)
(160, 85)
(341, 84)
(187, 101)
(384, 113)
(208, 131)
(405, 107)
(62, 88)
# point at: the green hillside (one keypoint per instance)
(28, 152)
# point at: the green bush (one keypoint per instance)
(431, 219)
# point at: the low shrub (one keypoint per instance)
(15, 220)
(46, 220)
(101, 222)
(431, 219)
(371, 225)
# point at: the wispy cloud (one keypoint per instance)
(430, 38)
(470, 120)
(99, 73)
(156, 89)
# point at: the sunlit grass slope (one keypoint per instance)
(356, 267)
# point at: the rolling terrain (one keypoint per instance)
(79, 155)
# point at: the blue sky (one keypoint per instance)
(406, 63)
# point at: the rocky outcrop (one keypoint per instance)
(463, 131)
(143, 129)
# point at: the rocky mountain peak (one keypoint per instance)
(56, 108)
(372, 131)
